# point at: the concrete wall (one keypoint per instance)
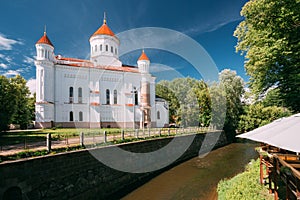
(78, 175)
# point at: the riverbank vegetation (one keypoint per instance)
(244, 186)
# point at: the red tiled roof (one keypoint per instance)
(72, 59)
(104, 30)
(44, 40)
(144, 56)
(74, 62)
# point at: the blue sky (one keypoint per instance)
(70, 24)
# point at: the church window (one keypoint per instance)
(101, 47)
(136, 99)
(107, 96)
(42, 53)
(71, 95)
(80, 116)
(112, 49)
(42, 84)
(158, 115)
(95, 48)
(115, 97)
(106, 47)
(71, 116)
(80, 95)
(116, 52)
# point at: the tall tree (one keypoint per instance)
(22, 114)
(8, 103)
(269, 36)
(231, 87)
(201, 90)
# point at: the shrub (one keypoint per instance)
(244, 186)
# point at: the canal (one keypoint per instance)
(197, 178)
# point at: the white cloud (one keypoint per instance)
(31, 84)
(28, 60)
(6, 43)
(11, 73)
(3, 66)
(210, 27)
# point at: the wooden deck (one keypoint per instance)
(284, 166)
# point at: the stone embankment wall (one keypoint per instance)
(78, 175)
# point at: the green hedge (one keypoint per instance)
(244, 186)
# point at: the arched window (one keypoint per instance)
(112, 49)
(158, 115)
(116, 52)
(115, 97)
(80, 116)
(107, 96)
(71, 116)
(136, 98)
(101, 47)
(95, 48)
(80, 95)
(106, 47)
(42, 53)
(71, 95)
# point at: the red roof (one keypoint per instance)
(73, 62)
(144, 56)
(44, 40)
(104, 30)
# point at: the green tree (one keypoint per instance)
(22, 115)
(8, 103)
(230, 87)
(31, 107)
(163, 91)
(234, 88)
(201, 90)
(273, 98)
(257, 115)
(269, 37)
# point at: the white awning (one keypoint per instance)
(283, 133)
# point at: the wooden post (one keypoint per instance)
(168, 131)
(81, 139)
(49, 142)
(105, 136)
(275, 179)
(122, 134)
(261, 173)
(25, 143)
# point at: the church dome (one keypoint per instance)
(44, 40)
(143, 56)
(104, 30)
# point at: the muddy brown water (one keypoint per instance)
(197, 178)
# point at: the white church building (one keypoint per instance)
(96, 93)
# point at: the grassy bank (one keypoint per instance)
(244, 186)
